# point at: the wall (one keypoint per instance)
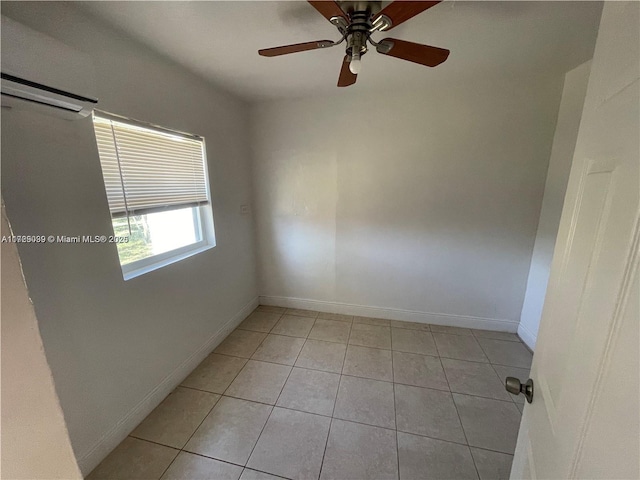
(564, 142)
(35, 441)
(117, 348)
(418, 205)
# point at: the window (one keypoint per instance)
(158, 193)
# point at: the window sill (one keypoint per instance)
(129, 274)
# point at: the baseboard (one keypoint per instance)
(92, 457)
(527, 336)
(496, 324)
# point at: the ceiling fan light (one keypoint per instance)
(355, 64)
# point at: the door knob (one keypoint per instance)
(513, 385)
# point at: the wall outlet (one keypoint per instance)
(245, 210)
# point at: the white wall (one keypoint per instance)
(117, 348)
(421, 204)
(564, 142)
(35, 441)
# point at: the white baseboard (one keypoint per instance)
(527, 336)
(88, 460)
(496, 324)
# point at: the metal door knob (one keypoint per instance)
(513, 385)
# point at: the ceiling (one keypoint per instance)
(219, 41)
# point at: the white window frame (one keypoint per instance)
(154, 262)
(204, 214)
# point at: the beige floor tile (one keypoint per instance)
(365, 401)
(215, 373)
(279, 349)
(492, 465)
(379, 322)
(134, 459)
(249, 474)
(369, 363)
(490, 424)
(293, 326)
(520, 373)
(319, 355)
(473, 378)
(357, 451)
(423, 458)
(240, 343)
(311, 391)
(410, 325)
(301, 312)
(291, 445)
(424, 411)
(270, 308)
(511, 337)
(460, 347)
(260, 321)
(289, 440)
(413, 341)
(230, 431)
(450, 330)
(419, 370)
(370, 336)
(259, 381)
(338, 317)
(188, 466)
(330, 331)
(177, 417)
(513, 354)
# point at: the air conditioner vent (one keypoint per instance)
(41, 73)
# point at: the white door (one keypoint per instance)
(584, 418)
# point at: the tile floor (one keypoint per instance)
(305, 395)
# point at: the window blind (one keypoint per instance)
(148, 169)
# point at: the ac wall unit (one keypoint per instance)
(40, 73)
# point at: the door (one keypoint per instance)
(584, 418)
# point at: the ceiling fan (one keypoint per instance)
(356, 21)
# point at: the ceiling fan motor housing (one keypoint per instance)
(349, 7)
(358, 30)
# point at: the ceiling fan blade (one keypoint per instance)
(401, 11)
(296, 47)
(328, 9)
(346, 78)
(413, 52)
